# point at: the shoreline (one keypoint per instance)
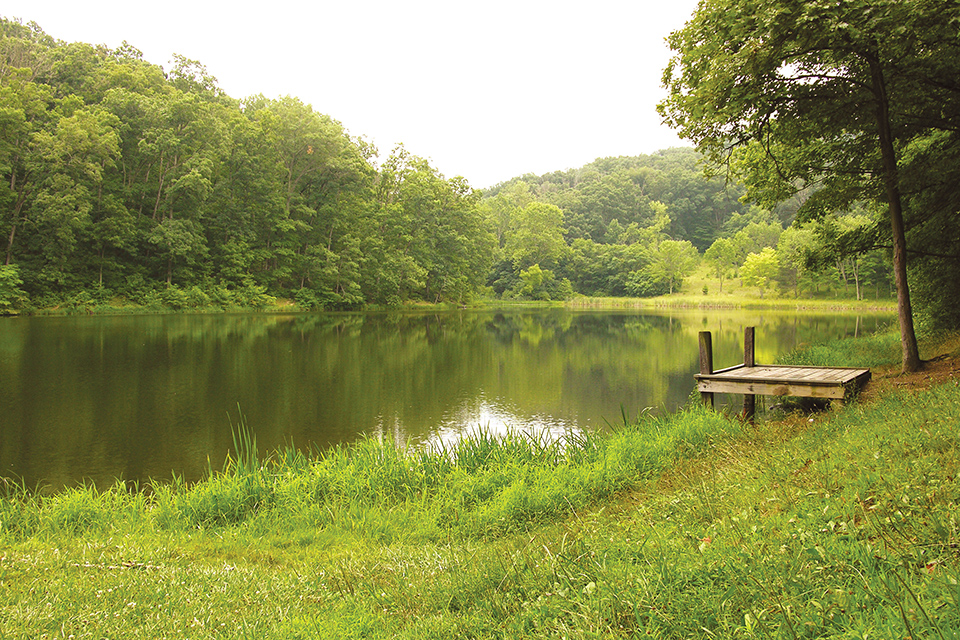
(583, 302)
(830, 522)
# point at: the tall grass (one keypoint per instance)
(482, 486)
(881, 348)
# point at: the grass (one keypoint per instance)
(736, 296)
(841, 524)
(724, 301)
(869, 351)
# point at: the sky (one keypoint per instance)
(486, 90)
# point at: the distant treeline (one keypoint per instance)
(122, 180)
(638, 226)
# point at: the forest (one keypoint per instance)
(125, 183)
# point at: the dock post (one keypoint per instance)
(749, 400)
(706, 363)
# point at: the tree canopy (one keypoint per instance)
(125, 181)
(823, 95)
(120, 178)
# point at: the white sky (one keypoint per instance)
(487, 90)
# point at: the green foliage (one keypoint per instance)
(673, 261)
(614, 193)
(830, 102)
(937, 288)
(310, 299)
(729, 83)
(644, 284)
(536, 236)
(12, 296)
(254, 297)
(722, 256)
(541, 284)
(532, 281)
(117, 174)
(174, 297)
(932, 227)
(197, 298)
(793, 249)
(759, 269)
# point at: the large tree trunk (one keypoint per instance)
(908, 336)
(856, 277)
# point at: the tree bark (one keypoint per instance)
(908, 337)
(856, 277)
(18, 207)
(13, 233)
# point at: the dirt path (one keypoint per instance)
(937, 370)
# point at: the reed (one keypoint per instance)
(484, 485)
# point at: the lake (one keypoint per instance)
(138, 397)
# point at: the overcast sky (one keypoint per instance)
(487, 90)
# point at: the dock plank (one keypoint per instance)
(815, 382)
(751, 379)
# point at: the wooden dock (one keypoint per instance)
(751, 379)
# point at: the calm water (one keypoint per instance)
(99, 398)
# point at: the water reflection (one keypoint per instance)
(473, 416)
(99, 398)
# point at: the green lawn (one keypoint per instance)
(735, 295)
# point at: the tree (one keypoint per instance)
(11, 295)
(793, 249)
(841, 242)
(673, 261)
(75, 155)
(177, 240)
(536, 236)
(754, 237)
(759, 269)
(822, 93)
(24, 113)
(722, 256)
(532, 281)
(933, 162)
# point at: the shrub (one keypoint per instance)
(197, 297)
(174, 297)
(12, 296)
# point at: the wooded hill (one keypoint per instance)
(125, 180)
(638, 226)
(121, 178)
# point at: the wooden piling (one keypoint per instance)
(749, 400)
(706, 363)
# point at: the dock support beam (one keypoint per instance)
(749, 360)
(749, 400)
(706, 363)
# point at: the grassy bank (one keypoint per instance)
(841, 524)
(712, 301)
(255, 300)
(701, 291)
